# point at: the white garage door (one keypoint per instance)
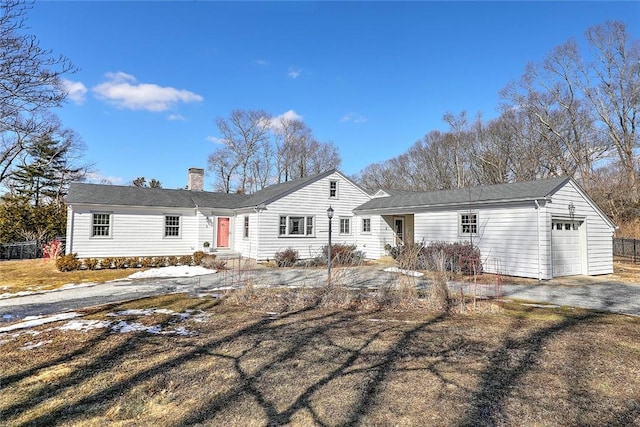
(566, 248)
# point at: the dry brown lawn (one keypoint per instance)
(244, 366)
(42, 274)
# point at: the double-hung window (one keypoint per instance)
(366, 225)
(333, 189)
(171, 226)
(345, 225)
(101, 225)
(245, 229)
(295, 225)
(468, 223)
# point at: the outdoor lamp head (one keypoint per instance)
(330, 212)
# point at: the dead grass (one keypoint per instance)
(42, 274)
(315, 365)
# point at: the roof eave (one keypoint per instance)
(449, 205)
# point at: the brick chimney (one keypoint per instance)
(195, 181)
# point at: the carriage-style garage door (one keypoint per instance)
(566, 248)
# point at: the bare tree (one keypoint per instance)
(612, 85)
(223, 164)
(29, 85)
(244, 134)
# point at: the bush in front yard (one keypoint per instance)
(286, 257)
(343, 255)
(68, 262)
(198, 256)
(459, 257)
(91, 263)
(185, 260)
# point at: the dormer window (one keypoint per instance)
(333, 189)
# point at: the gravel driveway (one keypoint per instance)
(583, 292)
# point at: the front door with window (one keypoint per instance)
(222, 233)
(398, 228)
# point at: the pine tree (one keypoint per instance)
(46, 172)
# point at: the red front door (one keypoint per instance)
(222, 240)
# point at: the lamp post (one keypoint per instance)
(330, 216)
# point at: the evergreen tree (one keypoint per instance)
(46, 172)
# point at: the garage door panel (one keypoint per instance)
(566, 248)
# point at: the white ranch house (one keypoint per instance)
(538, 229)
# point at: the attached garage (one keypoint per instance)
(567, 247)
(539, 229)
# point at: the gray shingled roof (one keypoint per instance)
(276, 191)
(490, 193)
(96, 194)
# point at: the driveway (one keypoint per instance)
(586, 293)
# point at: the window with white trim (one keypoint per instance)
(171, 226)
(333, 189)
(245, 229)
(101, 225)
(295, 225)
(468, 223)
(345, 225)
(366, 225)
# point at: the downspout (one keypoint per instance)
(69, 242)
(538, 228)
(258, 236)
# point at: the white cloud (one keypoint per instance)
(294, 73)
(215, 139)
(98, 178)
(275, 123)
(175, 117)
(354, 118)
(125, 91)
(262, 62)
(76, 91)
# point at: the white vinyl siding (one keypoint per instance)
(134, 231)
(506, 236)
(598, 232)
(311, 199)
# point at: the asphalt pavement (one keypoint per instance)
(599, 295)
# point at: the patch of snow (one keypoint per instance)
(180, 331)
(541, 305)
(405, 272)
(124, 327)
(31, 321)
(7, 316)
(32, 345)
(17, 294)
(77, 285)
(172, 271)
(84, 325)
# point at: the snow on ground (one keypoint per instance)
(405, 272)
(173, 271)
(116, 326)
(31, 321)
(17, 294)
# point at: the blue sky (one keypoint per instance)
(372, 77)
